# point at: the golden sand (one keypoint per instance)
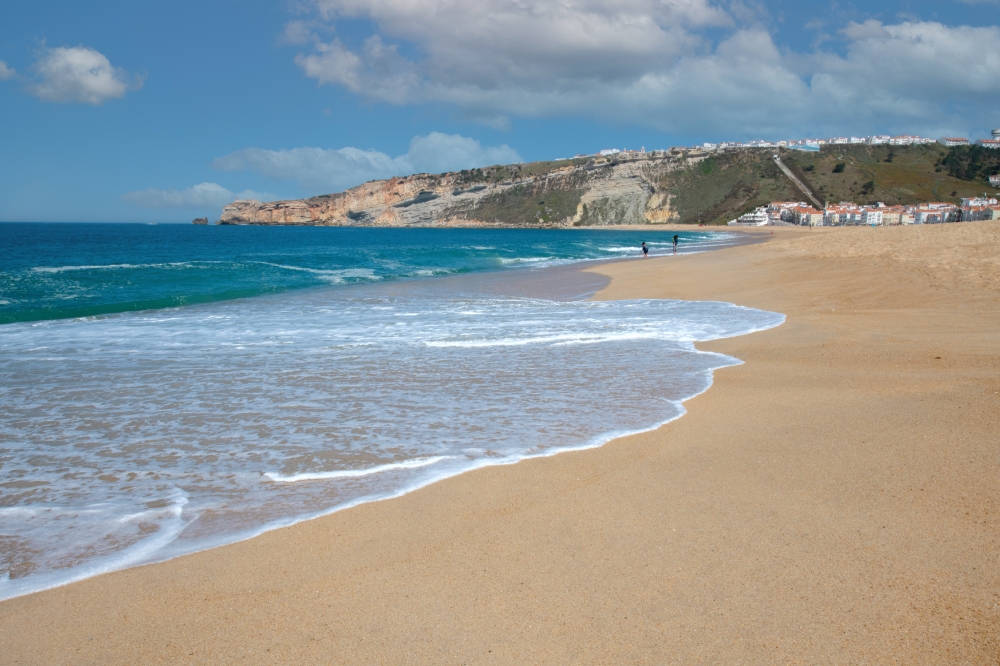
(833, 500)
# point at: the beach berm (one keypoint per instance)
(834, 499)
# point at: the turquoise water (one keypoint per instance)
(195, 405)
(56, 271)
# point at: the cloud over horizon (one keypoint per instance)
(324, 170)
(79, 74)
(201, 196)
(6, 72)
(686, 66)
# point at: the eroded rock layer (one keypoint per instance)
(622, 190)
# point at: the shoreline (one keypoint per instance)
(577, 557)
(564, 280)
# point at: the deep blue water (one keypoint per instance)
(58, 271)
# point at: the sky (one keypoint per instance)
(162, 112)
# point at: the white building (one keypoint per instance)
(758, 218)
(871, 217)
(979, 201)
(980, 213)
(934, 212)
(951, 141)
(908, 140)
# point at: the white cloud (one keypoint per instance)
(437, 152)
(6, 72)
(317, 169)
(680, 66)
(329, 170)
(201, 196)
(296, 32)
(79, 74)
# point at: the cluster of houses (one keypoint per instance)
(850, 214)
(799, 144)
(874, 140)
(815, 144)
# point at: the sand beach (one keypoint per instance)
(835, 499)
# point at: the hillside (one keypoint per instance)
(894, 175)
(677, 186)
(726, 185)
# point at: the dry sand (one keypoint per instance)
(833, 500)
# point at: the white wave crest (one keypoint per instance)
(353, 473)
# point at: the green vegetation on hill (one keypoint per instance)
(522, 205)
(726, 185)
(891, 174)
(972, 162)
(501, 173)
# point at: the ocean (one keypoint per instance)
(171, 388)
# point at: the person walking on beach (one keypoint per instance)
(675, 243)
(645, 250)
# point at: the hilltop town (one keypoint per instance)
(814, 144)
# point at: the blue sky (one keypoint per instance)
(125, 111)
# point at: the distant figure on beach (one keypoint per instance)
(645, 250)
(675, 243)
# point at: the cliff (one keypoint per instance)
(540, 194)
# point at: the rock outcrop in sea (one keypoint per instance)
(602, 191)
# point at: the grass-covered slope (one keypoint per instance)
(725, 186)
(894, 175)
(522, 205)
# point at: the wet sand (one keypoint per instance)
(833, 500)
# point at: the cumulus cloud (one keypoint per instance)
(201, 196)
(79, 74)
(315, 169)
(6, 72)
(439, 152)
(334, 169)
(681, 66)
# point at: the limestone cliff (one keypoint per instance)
(624, 189)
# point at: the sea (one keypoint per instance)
(170, 388)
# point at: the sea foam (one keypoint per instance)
(138, 437)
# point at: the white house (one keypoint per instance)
(758, 218)
(979, 201)
(871, 217)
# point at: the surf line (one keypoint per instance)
(353, 473)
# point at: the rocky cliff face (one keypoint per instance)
(588, 192)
